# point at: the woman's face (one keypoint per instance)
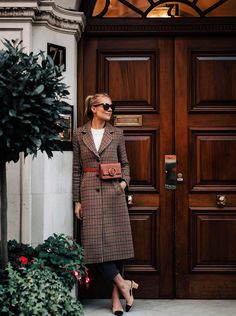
(98, 110)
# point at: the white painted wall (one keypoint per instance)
(14, 198)
(51, 196)
(52, 178)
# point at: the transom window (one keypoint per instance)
(162, 8)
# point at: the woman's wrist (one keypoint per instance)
(123, 180)
(123, 184)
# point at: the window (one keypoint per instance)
(163, 8)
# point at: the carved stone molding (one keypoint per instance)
(18, 9)
(17, 12)
(18, 4)
(44, 12)
(59, 18)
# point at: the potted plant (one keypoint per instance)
(32, 97)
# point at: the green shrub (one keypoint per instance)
(64, 256)
(39, 292)
(39, 281)
(60, 253)
(17, 250)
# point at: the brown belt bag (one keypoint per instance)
(110, 170)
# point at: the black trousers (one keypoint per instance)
(110, 269)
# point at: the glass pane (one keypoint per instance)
(226, 9)
(153, 8)
(99, 6)
(118, 9)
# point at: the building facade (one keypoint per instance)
(173, 83)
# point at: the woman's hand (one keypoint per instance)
(123, 184)
(78, 210)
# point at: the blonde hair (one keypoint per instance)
(92, 100)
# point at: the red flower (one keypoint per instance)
(87, 279)
(77, 275)
(23, 260)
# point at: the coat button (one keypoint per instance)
(97, 175)
(98, 190)
(98, 159)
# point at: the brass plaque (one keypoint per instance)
(128, 120)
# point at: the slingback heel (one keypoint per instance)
(117, 313)
(132, 286)
(118, 309)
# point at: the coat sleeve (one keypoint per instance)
(77, 169)
(122, 156)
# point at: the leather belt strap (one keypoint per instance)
(90, 169)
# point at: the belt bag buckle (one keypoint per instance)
(110, 170)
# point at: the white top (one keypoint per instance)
(97, 136)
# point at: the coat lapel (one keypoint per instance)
(107, 138)
(88, 138)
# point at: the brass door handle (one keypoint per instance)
(221, 200)
(170, 172)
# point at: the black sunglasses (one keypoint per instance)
(106, 106)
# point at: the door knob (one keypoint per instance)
(221, 200)
(180, 177)
(129, 199)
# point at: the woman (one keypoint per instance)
(100, 204)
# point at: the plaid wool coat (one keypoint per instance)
(105, 229)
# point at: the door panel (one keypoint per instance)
(144, 156)
(212, 72)
(211, 230)
(136, 74)
(212, 164)
(124, 72)
(205, 142)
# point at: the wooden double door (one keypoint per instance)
(174, 96)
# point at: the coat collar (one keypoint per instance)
(88, 138)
